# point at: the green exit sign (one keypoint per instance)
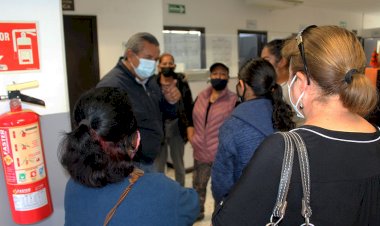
(175, 8)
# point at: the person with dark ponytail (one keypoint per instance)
(98, 155)
(261, 112)
(341, 185)
(272, 52)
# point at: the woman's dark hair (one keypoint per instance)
(275, 47)
(95, 151)
(260, 75)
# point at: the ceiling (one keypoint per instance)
(358, 6)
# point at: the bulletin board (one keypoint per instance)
(187, 45)
(221, 49)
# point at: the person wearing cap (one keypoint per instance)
(212, 106)
(261, 112)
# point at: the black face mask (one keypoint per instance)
(240, 97)
(168, 72)
(219, 84)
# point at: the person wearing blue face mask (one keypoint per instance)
(133, 73)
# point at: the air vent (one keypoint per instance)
(295, 2)
(274, 4)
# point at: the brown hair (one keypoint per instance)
(164, 55)
(331, 52)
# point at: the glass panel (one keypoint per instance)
(250, 45)
(186, 45)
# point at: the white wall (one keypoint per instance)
(371, 21)
(52, 74)
(52, 88)
(222, 18)
(117, 20)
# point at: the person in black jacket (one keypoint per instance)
(133, 73)
(175, 126)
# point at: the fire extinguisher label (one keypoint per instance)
(24, 164)
(30, 201)
(24, 167)
(7, 155)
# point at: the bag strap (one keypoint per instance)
(134, 176)
(292, 140)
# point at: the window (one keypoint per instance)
(250, 44)
(187, 45)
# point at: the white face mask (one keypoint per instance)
(295, 106)
(145, 69)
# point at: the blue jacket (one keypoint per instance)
(239, 137)
(153, 200)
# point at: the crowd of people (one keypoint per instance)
(311, 84)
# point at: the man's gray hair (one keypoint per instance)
(135, 42)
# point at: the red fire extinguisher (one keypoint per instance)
(23, 159)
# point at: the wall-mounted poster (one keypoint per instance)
(185, 47)
(221, 47)
(18, 46)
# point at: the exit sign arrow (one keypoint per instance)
(175, 8)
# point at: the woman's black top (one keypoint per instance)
(345, 182)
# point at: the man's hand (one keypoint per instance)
(171, 92)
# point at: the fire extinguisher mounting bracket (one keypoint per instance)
(14, 92)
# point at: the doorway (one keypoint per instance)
(82, 58)
(250, 44)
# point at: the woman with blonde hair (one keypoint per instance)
(327, 87)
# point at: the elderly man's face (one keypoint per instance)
(148, 51)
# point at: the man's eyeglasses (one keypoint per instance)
(302, 50)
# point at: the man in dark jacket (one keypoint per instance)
(133, 73)
(175, 126)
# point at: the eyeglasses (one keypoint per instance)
(302, 50)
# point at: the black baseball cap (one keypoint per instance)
(218, 64)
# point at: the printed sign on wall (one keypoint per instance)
(18, 46)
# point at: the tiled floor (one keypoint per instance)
(209, 205)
